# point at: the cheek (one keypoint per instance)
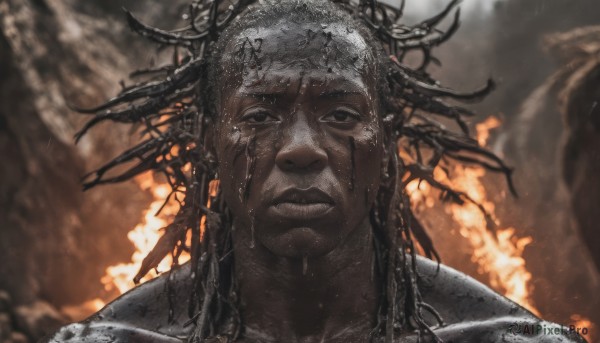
(244, 157)
(367, 155)
(231, 155)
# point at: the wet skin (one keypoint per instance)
(473, 314)
(316, 131)
(302, 110)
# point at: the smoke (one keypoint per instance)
(469, 8)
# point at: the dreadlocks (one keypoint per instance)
(175, 106)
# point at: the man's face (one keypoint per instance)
(299, 100)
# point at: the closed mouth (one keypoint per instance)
(302, 204)
(301, 197)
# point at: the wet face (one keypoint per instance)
(299, 139)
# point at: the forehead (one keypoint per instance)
(326, 53)
(323, 44)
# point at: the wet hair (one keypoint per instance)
(175, 107)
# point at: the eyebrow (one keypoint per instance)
(330, 94)
(262, 95)
(338, 93)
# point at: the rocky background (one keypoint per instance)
(55, 241)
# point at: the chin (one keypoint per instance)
(300, 242)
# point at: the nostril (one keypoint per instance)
(301, 157)
(300, 148)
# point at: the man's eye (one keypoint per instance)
(341, 116)
(258, 117)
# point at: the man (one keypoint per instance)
(299, 108)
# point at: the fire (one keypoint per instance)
(583, 326)
(497, 253)
(144, 236)
(483, 129)
(84, 310)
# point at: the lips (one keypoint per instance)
(302, 204)
(303, 196)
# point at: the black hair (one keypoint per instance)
(175, 107)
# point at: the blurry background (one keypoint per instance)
(56, 242)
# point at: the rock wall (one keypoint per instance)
(55, 240)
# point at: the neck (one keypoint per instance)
(329, 298)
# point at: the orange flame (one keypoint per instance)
(81, 311)
(144, 236)
(483, 129)
(584, 327)
(497, 253)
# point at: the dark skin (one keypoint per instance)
(307, 203)
(303, 244)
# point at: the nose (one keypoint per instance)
(300, 150)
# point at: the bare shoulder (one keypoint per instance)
(94, 332)
(472, 312)
(459, 297)
(142, 314)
